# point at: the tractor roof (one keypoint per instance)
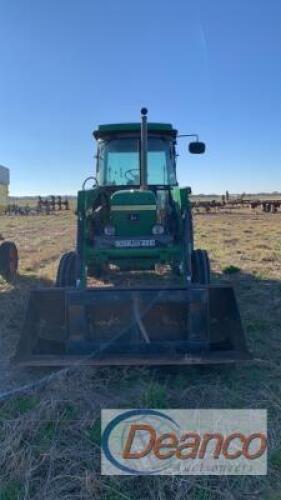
(119, 128)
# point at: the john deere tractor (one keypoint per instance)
(135, 216)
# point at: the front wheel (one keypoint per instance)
(8, 260)
(66, 273)
(200, 267)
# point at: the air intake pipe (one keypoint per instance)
(143, 156)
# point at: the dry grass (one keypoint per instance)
(50, 436)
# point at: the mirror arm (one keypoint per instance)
(189, 135)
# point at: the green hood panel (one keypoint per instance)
(133, 212)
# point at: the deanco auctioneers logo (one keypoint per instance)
(187, 442)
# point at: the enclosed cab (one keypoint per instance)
(119, 155)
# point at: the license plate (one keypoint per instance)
(134, 243)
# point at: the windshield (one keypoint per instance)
(119, 162)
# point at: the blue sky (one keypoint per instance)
(211, 67)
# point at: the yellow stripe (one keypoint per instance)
(132, 208)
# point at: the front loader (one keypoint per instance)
(134, 218)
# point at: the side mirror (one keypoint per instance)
(197, 148)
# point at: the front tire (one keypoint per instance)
(8, 260)
(66, 273)
(200, 266)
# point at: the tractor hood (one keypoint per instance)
(133, 212)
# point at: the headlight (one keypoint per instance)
(109, 230)
(157, 229)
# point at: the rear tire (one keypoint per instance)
(200, 265)
(8, 260)
(66, 273)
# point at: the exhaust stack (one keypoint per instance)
(143, 162)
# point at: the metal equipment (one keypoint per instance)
(135, 217)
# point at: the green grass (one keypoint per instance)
(68, 411)
(94, 432)
(18, 406)
(275, 459)
(257, 325)
(155, 396)
(46, 435)
(12, 490)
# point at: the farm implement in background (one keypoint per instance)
(44, 206)
(135, 217)
(267, 206)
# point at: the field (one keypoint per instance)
(50, 429)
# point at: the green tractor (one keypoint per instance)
(135, 217)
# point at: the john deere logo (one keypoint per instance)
(133, 217)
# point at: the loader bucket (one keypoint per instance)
(109, 326)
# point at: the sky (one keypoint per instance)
(209, 67)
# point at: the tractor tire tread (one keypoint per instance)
(5, 260)
(66, 270)
(200, 267)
